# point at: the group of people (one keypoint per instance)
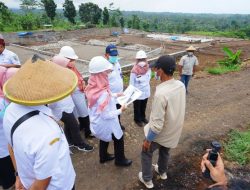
(34, 148)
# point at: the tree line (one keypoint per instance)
(34, 14)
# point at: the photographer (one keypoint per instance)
(217, 173)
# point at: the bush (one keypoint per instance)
(237, 148)
(29, 22)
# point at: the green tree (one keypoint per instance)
(135, 22)
(122, 22)
(29, 5)
(90, 12)
(50, 8)
(69, 11)
(145, 25)
(105, 15)
(5, 14)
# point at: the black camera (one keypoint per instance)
(212, 157)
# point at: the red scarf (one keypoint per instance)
(81, 82)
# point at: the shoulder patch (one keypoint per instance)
(54, 141)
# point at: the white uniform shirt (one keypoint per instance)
(187, 63)
(115, 79)
(8, 57)
(79, 99)
(65, 105)
(142, 82)
(103, 124)
(3, 141)
(40, 148)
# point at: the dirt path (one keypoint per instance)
(215, 105)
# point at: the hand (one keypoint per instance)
(124, 107)
(119, 94)
(146, 145)
(18, 184)
(217, 173)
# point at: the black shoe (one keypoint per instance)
(123, 163)
(145, 121)
(84, 147)
(123, 128)
(109, 157)
(139, 123)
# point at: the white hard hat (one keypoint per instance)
(99, 64)
(68, 52)
(141, 55)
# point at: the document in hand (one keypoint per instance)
(130, 95)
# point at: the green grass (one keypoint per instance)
(237, 148)
(223, 69)
(228, 34)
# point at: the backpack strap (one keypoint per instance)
(20, 121)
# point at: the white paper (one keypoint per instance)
(130, 95)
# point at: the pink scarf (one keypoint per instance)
(138, 70)
(5, 74)
(97, 85)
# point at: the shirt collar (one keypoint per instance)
(166, 82)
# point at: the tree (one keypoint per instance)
(5, 14)
(90, 12)
(122, 22)
(105, 15)
(50, 8)
(135, 22)
(69, 11)
(29, 5)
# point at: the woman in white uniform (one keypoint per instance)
(140, 78)
(7, 177)
(104, 122)
(78, 96)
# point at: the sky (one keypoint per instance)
(183, 6)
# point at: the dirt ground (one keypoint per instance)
(215, 105)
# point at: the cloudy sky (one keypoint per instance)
(185, 6)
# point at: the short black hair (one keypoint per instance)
(167, 64)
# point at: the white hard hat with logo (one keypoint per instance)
(99, 64)
(141, 55)
(68, 52)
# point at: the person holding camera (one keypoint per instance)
(217, 172)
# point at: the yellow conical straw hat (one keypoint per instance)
(40, 82)
(191, 48)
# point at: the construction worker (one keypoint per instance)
(7, 57)
(140, 78)
(115, 78)
(187, 66)
(40, 150)
(103, 113)
(63, 110)
(78, 96)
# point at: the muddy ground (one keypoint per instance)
(215, 105)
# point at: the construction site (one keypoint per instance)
(215, 105)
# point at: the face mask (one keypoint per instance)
(157, 77)
(113, 59)
(190, 54)
(142, 63)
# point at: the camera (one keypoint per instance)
(212, 157)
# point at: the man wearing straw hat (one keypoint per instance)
(7, 57)
(187, 66)
(40, 150)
